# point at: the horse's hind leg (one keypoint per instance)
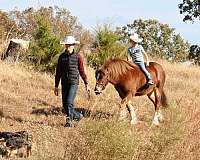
(157, 103)
(151, 96)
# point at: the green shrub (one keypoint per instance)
(44, 50)
(106, 45)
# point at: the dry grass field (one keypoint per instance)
(27, 103)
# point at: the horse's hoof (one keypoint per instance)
(122, 119)
(133, 122)
(123, 115)
(156, 123)
(161, 119)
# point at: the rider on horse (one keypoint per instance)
(136, 53)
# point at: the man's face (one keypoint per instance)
(69, 47)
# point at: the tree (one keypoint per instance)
(45, 48)
(190, 9)
(8, 27)
(159, 40)
(195, 54)
(44, 28)
(60, 19)
(106, 45)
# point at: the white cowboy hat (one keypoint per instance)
(69, 40)
(134, 37)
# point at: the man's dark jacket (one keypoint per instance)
(68, 69)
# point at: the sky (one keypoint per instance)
(118, 13)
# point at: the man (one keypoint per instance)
(136, 54)
(70, 65)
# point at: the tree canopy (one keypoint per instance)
(45, 47)
(44, 28)
(195, 54)
(190, 9)
(159, 40)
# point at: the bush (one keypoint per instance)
(106, 45)
(44, 50)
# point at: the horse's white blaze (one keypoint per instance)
(98, 75)
(133, 115)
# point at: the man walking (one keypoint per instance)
(70, 65)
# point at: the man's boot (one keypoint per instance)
(68, 123)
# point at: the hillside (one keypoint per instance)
(27, 103)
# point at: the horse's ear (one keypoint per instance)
(97, 67)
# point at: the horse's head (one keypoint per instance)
(101, 80)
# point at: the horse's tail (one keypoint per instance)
(164, 100)
(160, 73)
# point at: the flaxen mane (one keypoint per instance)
(117, 67)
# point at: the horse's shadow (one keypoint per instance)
(87, 113)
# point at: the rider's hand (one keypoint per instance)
(147, 63)
(56, 91)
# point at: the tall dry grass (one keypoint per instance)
(28, 103)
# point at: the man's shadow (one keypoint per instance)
(87, 113)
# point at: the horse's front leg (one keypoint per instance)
(132, 112)
(123, 110)
(126, 102)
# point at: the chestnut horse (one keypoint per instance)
(130, 81)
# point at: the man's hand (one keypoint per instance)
(147, 63)
(87, 88)
(56, 91)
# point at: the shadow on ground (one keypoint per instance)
(60, 111)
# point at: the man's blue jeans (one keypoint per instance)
(143, 69)
(68, 96)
